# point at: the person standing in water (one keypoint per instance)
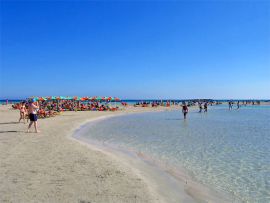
(32, 110)
(230, 105)
(205, 107)
(185, 110)
(200, 106)
(238, 105)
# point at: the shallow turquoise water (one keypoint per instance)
(226, 150)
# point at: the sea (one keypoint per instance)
(226, 150)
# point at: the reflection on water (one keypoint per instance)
(227, 150)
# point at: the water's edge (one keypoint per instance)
(172, 185)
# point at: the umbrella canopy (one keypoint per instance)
(84, 98)
(34, 99)
(98, 98)
(106, 98)
(42, 99)
(95, 98)
(77, 98)
(68, 98)
(115, 99)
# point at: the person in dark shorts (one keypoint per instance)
(32, 109)
(185, 110)
(205, 107)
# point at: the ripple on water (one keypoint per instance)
(227, 150)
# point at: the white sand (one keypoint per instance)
(49, 167)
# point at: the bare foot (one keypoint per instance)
(37, 131)
(27, 131)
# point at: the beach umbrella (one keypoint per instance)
(90, 98)
(115, 99)
(93, 98)
(68, 98)
(84, 98)
(34, 99)
(98, 98)
(42, 99)
(107, 98)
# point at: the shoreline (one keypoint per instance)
(52, 166)
(48, 167)
(177, 183)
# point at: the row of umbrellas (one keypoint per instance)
(76, 98)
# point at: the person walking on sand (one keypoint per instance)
(32, 110)
(185, 110)
(22, 109)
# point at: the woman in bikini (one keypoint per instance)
(22, 112)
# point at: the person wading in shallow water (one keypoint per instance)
(200, 106)
(238, 104)
(185, 110)
(33, 108)
(205, 107)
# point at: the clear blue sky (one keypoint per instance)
(177, 49)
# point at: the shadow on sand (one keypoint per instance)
(9, 123)
(10, 131)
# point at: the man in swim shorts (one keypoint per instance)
(185, 110)
(32, 110)
(205, 107)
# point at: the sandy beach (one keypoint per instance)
(49, 167)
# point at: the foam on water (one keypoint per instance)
(226, 150)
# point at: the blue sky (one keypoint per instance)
(139, 49)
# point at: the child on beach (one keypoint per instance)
(32, 110)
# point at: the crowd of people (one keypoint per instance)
(156, 103)
(32, 110)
